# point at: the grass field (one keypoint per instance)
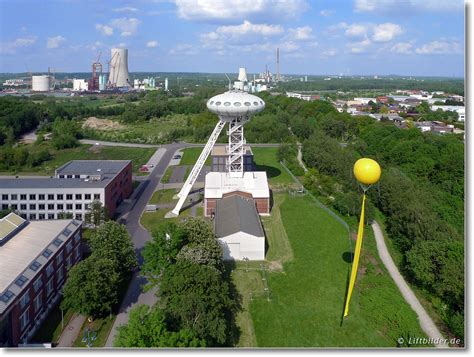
(190, 156)
(166, 176)
(307, 297)
(153, 220)
(266, 160)
(163, 196)
(51, 329)
(139, 157)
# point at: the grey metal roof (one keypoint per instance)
(48, 182)
(92, 167)
(237, 214)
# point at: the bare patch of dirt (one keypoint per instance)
(102, 124)
(275, 266)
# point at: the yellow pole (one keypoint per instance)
(355, 263)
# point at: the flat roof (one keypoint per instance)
(92, 167)
(237, 214)
(26, 246)
(52, 182)
(220, 183)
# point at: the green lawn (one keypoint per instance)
(51, 328)
(307, 297)
(163, 196)
(102, 329)
(190, 156)
(166, 176)
(266, 160)
(139, 157)
(153, 220)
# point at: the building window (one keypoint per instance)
(21, 280)
(78, 196)
(77, 176)
(37, 284)
(22, 197)
(68, 197)
(67, 232)
(69, 176)
(78, 252)
(35, 266)
(25, 299)
(96, 196)
(59, 275)
(87, 196)
(78, 206)
(79, 216)
(6, 296)
(5, 206)
(32, 217)
(32, 197)
(49, 287)
(41, 197)
(51, 206)
(25, 319)
(14, 197)
(68, 262)
(49, 270)
(50, 197)
(69, 206)
(5, 197)
(59, 258)
(14, 207)
(41, 216)
(50, 215)
(23, 206)
(32, 206)
(41, 206)
(57, 242)
(61, 176)
(60, 196)
(38, 303)
(60, 206)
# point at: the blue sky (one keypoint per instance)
(405, 37)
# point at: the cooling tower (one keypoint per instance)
(242, 75)
(118, 76)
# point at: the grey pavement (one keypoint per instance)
(425, 320)
(71, 331)
(178, 174)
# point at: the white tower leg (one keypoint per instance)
(236, 146)
(188, 185)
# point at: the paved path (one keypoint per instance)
(71, 331)
(425, 320)
(299, 157)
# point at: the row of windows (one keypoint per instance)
(42, 216)
(42, 197)
(43, 207)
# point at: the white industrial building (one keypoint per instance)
(80, 85)
(239, 230)
(41, 83)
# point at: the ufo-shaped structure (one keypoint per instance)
(236, 108)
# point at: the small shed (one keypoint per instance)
(239, 230)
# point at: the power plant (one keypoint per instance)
(118, 68)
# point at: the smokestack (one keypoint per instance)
(118, 76)
(278, 64)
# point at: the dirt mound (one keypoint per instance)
(102, 124)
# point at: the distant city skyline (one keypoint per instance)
(353, 37)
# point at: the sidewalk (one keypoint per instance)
(71, 331)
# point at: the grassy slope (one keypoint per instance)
(308, 298)
(163, 196)
(266, 160)
(139, 157)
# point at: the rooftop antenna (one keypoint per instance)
(230, 82)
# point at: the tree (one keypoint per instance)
(97, 214)
(91, 287)
(195, 297)
(207, 253)
(147, 328)
(198, 230)
(111, 241)
(65, 134)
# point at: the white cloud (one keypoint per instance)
(152, 44)
(331, 52)
(440, 47)
(360, 46)
(402, 48)
(127, 26)
(235, 10)
(125, 9)
(183, 49)
(356, 30)
(301, 33)
(12, 46)
(55, 42)
(388, 6)
(326, 12)
(104, 29)
(386, 32)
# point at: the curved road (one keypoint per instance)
(426, 322)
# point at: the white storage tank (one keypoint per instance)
(41, 83)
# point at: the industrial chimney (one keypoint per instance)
(118, 68)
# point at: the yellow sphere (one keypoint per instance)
(367, 171)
